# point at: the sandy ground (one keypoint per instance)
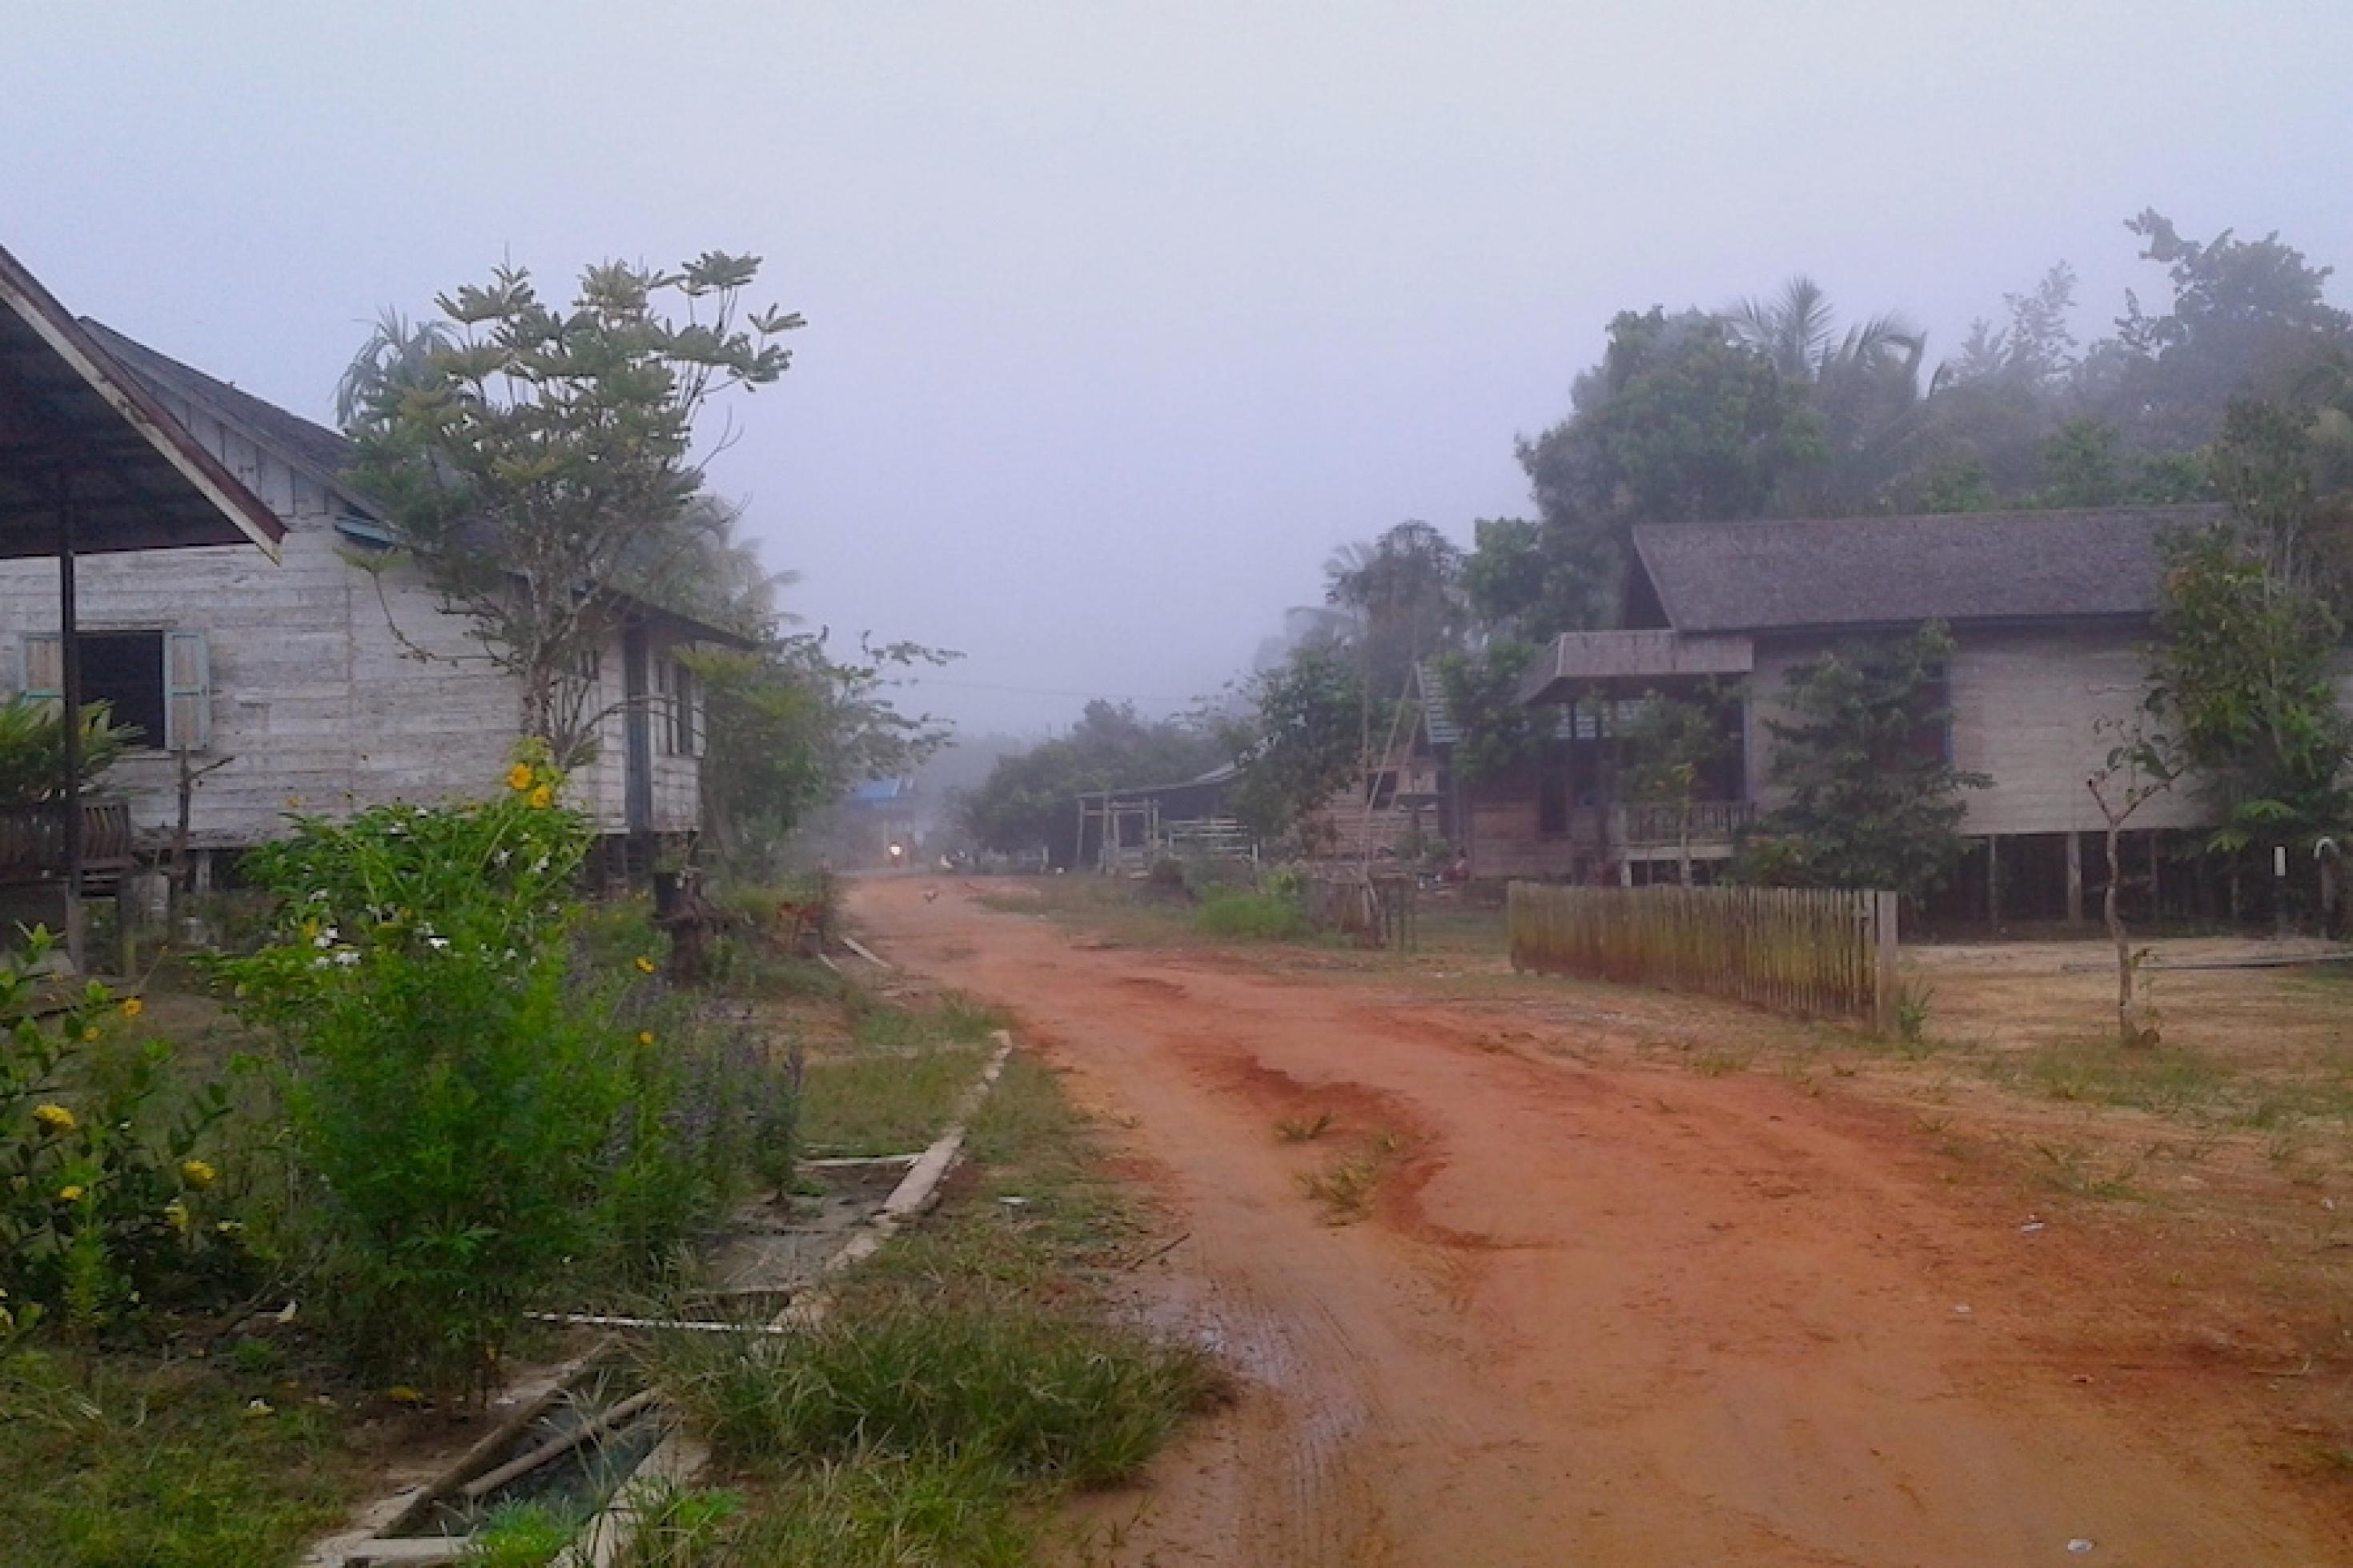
(1604, 1315)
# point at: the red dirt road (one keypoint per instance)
(1608, 1316)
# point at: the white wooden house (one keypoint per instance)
(2050, 613)
(312, 685)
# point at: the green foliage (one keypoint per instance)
(520, 1535)
(2242, 673)
(122, 1463)
(1678, 749)
(470, 1113)
(1263, 917)
(1403, 598)
(1871, 801)
(1303, 742)
(1482, 697)
(791, 729)
(533, 457)
(32, 748)
(1029, 800)
(103, 1214)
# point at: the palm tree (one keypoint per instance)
(397, 355)
(1865, 385)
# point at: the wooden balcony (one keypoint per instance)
(33, 842)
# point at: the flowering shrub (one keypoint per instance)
(99, 1215)
(470, 1109)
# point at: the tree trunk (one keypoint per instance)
(2134, 1027)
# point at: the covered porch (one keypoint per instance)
(89, 463)
(1596, 685)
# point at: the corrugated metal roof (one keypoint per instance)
(1786, 574)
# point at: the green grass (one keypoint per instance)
(133, 1464)
(876, 1511)
(1257, 917)
(1346, 1184)
(965, 1376)
(857, 1106)
(894, 1093)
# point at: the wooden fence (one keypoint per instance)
(1814, 953)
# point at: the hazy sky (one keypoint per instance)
(1123, 315)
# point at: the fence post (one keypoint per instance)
(1884, 988)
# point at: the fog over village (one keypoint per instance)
(1278, 785)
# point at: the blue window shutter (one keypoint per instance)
(43, 666)
(187, 692)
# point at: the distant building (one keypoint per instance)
(2050, 612)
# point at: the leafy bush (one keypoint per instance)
(469, 1110)
(1268, 917)
(99, 1215)
(32, 748)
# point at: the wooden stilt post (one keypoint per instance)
(69, 664)
(2075, 878)
(1993, 881)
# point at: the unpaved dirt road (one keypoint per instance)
(1604, 1316)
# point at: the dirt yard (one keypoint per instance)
(1623, 1293)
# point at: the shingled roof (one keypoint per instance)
(1789, 574)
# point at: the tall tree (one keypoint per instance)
(1301, 745)
(1870, 800)
(2243, 674)
(1403, 594)
(545, 450)
(1677, 423)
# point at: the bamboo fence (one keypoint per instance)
(1809, 953)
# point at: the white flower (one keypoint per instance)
(438, 943)
(324, 938)
(502, 858)
(318, 896)
(347, 956)
(319, 962)
(539, 865)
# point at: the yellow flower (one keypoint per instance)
(89, 1032)
(132, 1008)
(197, 1174)
(54, 1117)
(520, 776)
(645, 1037)
(645, 964)
(175, 1213)
(542, 798)
(401, 1394)
(70, 1192)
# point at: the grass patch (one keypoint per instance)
(140, 1465)
(883, 1105)
(877, 1510)
(2168, 1079)
(1041, 1393)
(1256, 917)
(1346, 1186)
(965, 1376)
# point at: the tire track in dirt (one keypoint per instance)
(1600, 1315)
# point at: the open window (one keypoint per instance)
(155, 683)
(678, 716)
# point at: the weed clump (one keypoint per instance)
(1042, 1393)
(1260, 917)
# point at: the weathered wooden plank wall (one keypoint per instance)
(1809, 953)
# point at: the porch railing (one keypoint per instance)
(1711, 821)
(33, 840)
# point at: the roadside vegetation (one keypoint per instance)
(961, 1381)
